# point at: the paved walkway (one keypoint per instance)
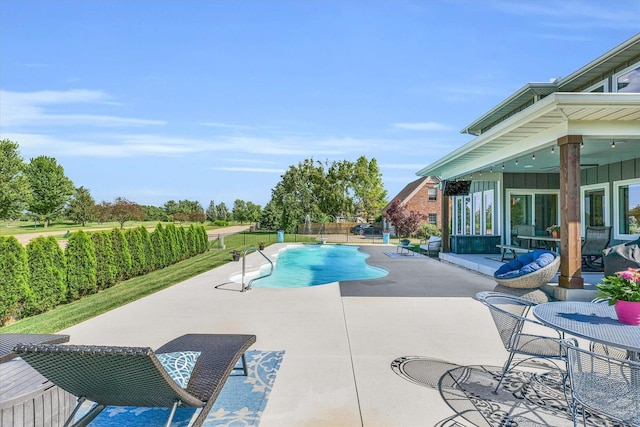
(338, 346)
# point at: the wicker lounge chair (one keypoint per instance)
(134, 376)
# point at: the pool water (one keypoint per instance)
(311, 265)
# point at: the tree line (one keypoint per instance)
(41, 276)
(325, 192)
(40, 191)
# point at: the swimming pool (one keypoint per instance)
(311, 265)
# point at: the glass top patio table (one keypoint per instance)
(592, 321)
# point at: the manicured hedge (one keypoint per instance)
(80, 255)
(42, 276)
(47, 275)
(14, 278)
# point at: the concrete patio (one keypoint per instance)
(339, 339)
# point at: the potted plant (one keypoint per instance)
(623, 292)
(235, 254)
(554, 230)
(261, 246)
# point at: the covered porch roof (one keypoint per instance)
(601, 119)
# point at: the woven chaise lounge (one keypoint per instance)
(134, 376)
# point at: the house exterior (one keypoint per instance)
(423, 197)
(565, 152)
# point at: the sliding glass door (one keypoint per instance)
(540, 208)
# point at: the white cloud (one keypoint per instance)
(423, 126)
(29, 108)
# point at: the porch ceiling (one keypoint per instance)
(600, 118)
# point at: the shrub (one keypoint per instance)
(204, 239)
(106, 269)
(181, 238)
(14, 278)
(221, 223)
(81, 265)
(136, 249)
(159, 247)
(121, 254)
(171, 243)
(149, 253)
(46, 275)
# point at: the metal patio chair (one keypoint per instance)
(603, 384)
(596, 239)
(509, 314)
(134, 376)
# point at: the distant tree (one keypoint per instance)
(47, 275)
(253, 212)
(14, 278)
(197, 217)
(223, 212)
(50, 188)
(270, 216)
(80, 258)
(240, 212)
(15, 192)
(369, 193)
(81, 207)
(102, 212)
(405, 223)
(123, 210)
(106, 269)
(154, 213)
(212, 211)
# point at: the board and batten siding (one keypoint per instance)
(612, 172)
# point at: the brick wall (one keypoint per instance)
(421, 204)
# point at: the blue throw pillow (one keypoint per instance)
(179, 365)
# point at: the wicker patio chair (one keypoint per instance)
(509, 314)
(603, 384)
(531, 280)
(133, 376)
(596, 239)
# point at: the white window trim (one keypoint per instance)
(477, 196)
(493, 212)
(614, 79)
(616, 209)
(607, 203)
(604, 83)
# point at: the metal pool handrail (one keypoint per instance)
(248, 287)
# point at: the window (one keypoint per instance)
(433, 219)
(477, 213)
(488, 212)
(628, 81)
(540, 208)
(626, 209)
(459, 216)
(595, 205)
(433, 193)
(599, 87)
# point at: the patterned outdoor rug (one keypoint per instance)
(405, 255)
(525, 398)
(240, 403)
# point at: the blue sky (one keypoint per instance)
(213, 100)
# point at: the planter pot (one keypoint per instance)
(236, 257)
(628, 312)
(555, 234)
(323, 240)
